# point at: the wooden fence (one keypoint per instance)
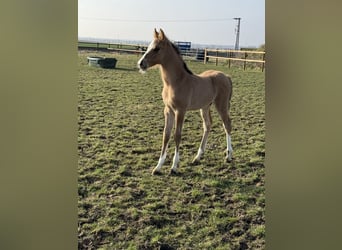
(118, 47)
(244, 56)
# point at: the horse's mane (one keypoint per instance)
(174, 46)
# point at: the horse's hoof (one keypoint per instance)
(229, 160)
(195, 162)
(173, 172)
(156, 172)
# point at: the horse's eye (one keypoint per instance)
(156, 49)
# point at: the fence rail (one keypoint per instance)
(235, 55)
(118, 47)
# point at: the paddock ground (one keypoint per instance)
(214, 205)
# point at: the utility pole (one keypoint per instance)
(237, 33)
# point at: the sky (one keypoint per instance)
(196, 21)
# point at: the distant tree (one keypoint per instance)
(262, 47)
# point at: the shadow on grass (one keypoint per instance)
(127, 69)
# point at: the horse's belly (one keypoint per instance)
(201, 99)
(192, 95)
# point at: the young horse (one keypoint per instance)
(185, 91)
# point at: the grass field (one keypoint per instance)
(214, 205)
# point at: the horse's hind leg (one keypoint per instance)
(222, 106)
(206, 117)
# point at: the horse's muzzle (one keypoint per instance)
(142, 65)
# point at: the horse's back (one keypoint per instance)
(217, 76)
(220, 81)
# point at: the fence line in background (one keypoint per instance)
(244, 56)
(118, 47)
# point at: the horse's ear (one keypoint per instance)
(161, 35)
(156, 35)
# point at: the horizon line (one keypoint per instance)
(103, 40)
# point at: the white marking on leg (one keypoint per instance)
(160, 163)
(175, 161)
(229, 147)
(161, 160)
(199, 154)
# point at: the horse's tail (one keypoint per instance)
(230, 84)
(226, 79)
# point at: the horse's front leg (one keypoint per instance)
(178, 134)
(169, 120)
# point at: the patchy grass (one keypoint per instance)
(214, 205)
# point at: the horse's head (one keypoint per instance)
(155, 52)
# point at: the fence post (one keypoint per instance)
(263, 64)
(230, 56)
(244, 65)
(205, 56)
(216, 57)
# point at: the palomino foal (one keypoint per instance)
(185, 91)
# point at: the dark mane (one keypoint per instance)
(184, 64)
(175, 47)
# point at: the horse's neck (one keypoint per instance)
(172, 71)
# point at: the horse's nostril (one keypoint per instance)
(142, 65)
